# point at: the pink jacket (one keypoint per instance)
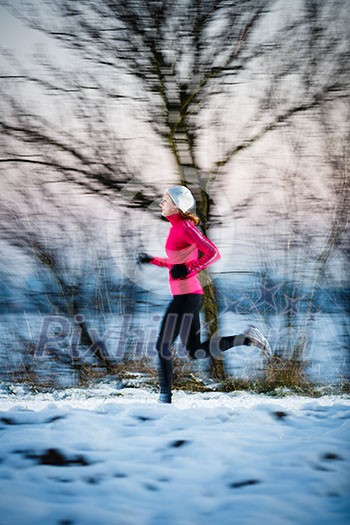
(182, 246)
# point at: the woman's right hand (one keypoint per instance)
(144, 258)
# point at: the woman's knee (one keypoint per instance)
(163, 349)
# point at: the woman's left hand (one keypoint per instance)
(179, 271)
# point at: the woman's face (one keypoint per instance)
(167, 205)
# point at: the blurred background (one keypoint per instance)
(106, 103)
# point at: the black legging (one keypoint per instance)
(182, 319)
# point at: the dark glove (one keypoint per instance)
(144, 258)
(179, 271)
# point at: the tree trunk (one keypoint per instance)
(217, 369)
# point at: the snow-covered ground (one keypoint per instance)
(103, 456)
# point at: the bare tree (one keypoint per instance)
(180, 62)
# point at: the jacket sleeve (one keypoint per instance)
(160, 261)
(209, 252)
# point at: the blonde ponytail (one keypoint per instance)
(190, 217)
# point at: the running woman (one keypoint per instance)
(188, 252)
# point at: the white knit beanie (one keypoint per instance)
(181, 197)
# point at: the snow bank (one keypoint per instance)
(107, 456)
